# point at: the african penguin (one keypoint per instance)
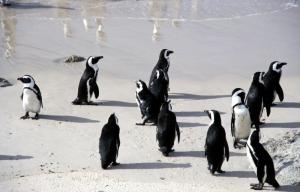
(163, 63)
(148, 104)
(261, 162)
(88, 82)
(109, 142)
(240, 118)
(216, 144)
(31, 97)
(167, 128)
(159, 86)
(254, 99)
(271, 82)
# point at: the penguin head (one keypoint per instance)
(237, 96)
(258, 77)
(164, 56)
(214, 116)
(27, 81)
(140, 86)
(113, 119)
(166, 106)
(92, 62)
(276, 66)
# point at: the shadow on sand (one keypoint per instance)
(14, 157)
(152, 166)
(195, 96)
(288, 105)
(239, 174)
(35, 5)
(190, 124)
(117, 104)
(199, 154)
(291, 188)
(192, 113)
(282, 125)
(68, 118)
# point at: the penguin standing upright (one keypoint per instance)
(109, 142)
(240, 118)
(88, 82)
(272, 86)
(261, 162)
(159, 86)
(254, 99)
(163, 63)
(147, 103)
(167, 128)
(216, 144)
(31, 97)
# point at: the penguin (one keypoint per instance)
(5, 3)
(272, 86)
(261, 162)
(254, 99)
(216, 146)
(167, 128)
(88, 82)
(159, 86)
(109, 142)
(148, 104)
(162, 63)
(31, 97)
(240, 118)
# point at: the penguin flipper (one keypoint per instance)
(226, 150)
(268, 109)
(232, 124)
(39, 94)
(94, 88)
(177, 131)
(279, 92)
(22, 96)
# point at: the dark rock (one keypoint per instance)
(4, 83)
(74, 58)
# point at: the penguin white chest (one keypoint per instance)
(242, 122)
(88, 90)
(30, 101)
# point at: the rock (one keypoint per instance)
(74, 58)
(4, 83)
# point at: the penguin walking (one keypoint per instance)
(167, 128)
(240, 118)
(216, 146)
(88, 82)
(109, 142)
(261, 162)
(254, 99)
(31, 97)
(272, 86)
(160, 85)
(162, 63)
(148, 104)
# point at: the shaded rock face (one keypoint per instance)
(74, 58)
(286, 157)
(4, 83)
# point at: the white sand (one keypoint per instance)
(218, 46)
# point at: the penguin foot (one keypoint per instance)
(36, 117)
(115, 164)
(26, 116)
(220, 171)
(76, 102)
(258, 186)
(140, 124)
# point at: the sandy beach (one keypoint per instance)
(218, 45)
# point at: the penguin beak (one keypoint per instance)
(20, 79)
(96, 59)
(170, 52)
(207, 112)
(282, 64)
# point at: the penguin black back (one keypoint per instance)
(160, 85)
(167, 128)
(109, 142)
(216, 143)
(261, 161)
(254, 99)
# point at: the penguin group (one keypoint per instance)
(156, 109)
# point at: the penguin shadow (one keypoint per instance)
(35, 5)
(192, 113)
(282, 125)
(287, 105)
(117, 104)
(14, 157)
(190, 124)
(154, 165)
(187, 154)
(195, 96)
(239, 174)
(68, 118)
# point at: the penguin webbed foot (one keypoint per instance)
(141, 124)
(220, 171)
(255, 186)
(36, 117)
(115, 164)
(76, 102)
(26, 116)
